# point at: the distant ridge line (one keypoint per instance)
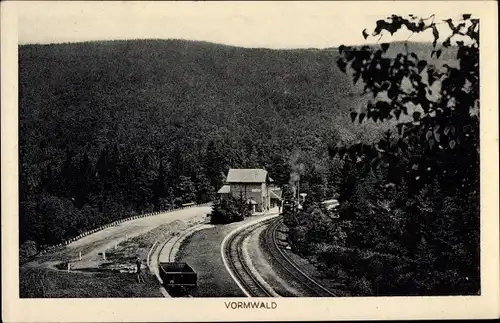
(203, 42)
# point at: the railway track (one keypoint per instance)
(174, 241)
(271, 240)
(233, 253)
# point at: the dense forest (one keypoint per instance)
(408, 222)
(112, 128)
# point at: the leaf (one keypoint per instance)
(385, 47)
(431, 143)
(414, 56)
(393, 92)
(437, 136)
(466, 16)
(416, 115)
(424, 104)
(399, 126)
(447, 42)
(356, 77)
(353, 116)
(450, 24)
(452, 144)
(365, 33)
(397, 114)
(435, 33)
(361, 117)
(342, 65)
(428, 135)
(421, 65)
(430, 77)
(438, 53)
(446, 130)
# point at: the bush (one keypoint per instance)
(27, 250)
(362, 286)
(228, 210)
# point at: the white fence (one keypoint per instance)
(49, 249)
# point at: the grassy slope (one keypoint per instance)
(50, 283)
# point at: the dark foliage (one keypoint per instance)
(228, 210)
(409, 213)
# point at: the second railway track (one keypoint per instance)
(233, 252)
(270, 237)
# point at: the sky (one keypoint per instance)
(246, 24)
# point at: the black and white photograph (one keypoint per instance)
(187, 150)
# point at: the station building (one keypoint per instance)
(254, 186)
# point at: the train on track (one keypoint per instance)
(290, 206)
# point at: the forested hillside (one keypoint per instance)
(112, 128)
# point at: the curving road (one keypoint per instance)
(91, 245)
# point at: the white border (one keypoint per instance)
(101, 310)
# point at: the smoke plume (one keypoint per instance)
(297, 169)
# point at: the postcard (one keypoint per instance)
(249, 161)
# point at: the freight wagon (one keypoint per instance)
(179, 279)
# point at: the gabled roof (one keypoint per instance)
(246, 176)
(224, 190)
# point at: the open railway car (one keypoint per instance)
(179, 278)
